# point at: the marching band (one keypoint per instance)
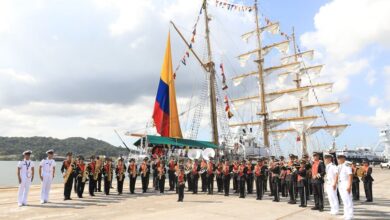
(294, 179)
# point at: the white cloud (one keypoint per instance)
(371, 77)
(344, 29)
(379, 119)
(374, 101)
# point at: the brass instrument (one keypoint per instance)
(160, 173)
(109, 175)
(187, 169)
(360, 172)
(133, 170)
(84, 176)
(69, 171)
(120, 174)
(144, 169)
(98, 168)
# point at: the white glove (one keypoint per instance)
(318, 175)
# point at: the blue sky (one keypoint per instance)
(84, 68)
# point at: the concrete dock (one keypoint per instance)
(153, 205)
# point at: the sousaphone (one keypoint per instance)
(208, 153)
(194, 154)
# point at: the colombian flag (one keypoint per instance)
(165, 116)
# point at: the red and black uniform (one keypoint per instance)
(249, 178)
(226, 169)
(80, 170)
(259, 174)
(318, 172)
(120, 170)
(155, 180)
(275, 178)
(132, 170)
(144, 171)
(301, 184)
(355, 184)
(69, 183)
(235, 177)
(161, 177)
(181, 184)
(219, 177)
(367, 182)
(107, 173)
(195, 177)
(203, 175)
(171, 175)
(242, 171)
(92, 181)
(210, 177)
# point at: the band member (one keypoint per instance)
(25, 173)
(68, 170)
(132, 170)
(317, 181)
(99, 173)
(161, 171)
(46, 173)
(120, 170)
(235, 176)
(181, 183)
(155, 165)
(92, 176)
(302, 182)
(291, 179)
(195, 177)
(81, 175)
(355, 182)
(275, 171)
(177, 171)
(308, 185)
(188, 170)
(367, 181)
(259, 175)
(282, 177)
(203, 175)
(345, 177)
(219, 176)
(171, 174)
(331, 184)
(249, 177)
(242, 170)
(107, 176)
(210, 177)
(144, 171)
(226, 177)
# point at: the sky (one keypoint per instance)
(84, 68)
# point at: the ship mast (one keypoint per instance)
(260, 60)
(211, 69)
(300, 106)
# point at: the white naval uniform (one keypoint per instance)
(331, 175)
(344, 172)
(25, 176)
(48, 166)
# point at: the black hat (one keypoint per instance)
(272, 157)
(316, 154)
(305, 156)
(92, 157)
(69, 154)
(146, 159)
(81, 157)
(365, 161)
(281, 157)
(132, 160)
(302, 161)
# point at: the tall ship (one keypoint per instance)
(274, 103)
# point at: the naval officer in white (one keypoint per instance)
(25, 174)
(331, 184)
(345, 177)
(46, 173)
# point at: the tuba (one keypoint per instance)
(69, 171)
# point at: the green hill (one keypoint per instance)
(11, 148)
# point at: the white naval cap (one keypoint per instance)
(27, 152)
(50, 151)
